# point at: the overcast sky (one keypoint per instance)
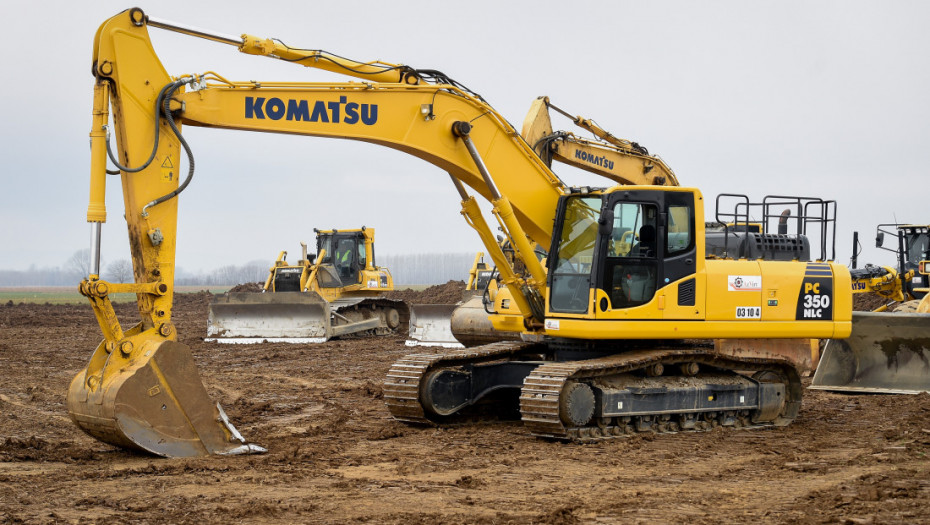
(821, 99)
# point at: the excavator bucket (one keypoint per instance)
(471, 326)
(885, 353)
(431, 325)
(154, 402)
(248, 317)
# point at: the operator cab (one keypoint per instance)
(627, 243)
(344, 259)
(912, 246)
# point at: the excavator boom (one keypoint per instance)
(146, 365)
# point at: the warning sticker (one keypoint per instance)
(167, 170)
(744, 283)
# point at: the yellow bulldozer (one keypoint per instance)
(887, 352)
(336, 292)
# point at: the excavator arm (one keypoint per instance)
(622, 161)
(141, 388)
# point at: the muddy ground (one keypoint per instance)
(335, 455)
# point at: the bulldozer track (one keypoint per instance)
(376, 305)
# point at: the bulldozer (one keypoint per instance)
(336, 292)
(611, 325)
(887, 352)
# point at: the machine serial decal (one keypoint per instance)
(815, 299)
(552, 324)
(744, 283)
(748, 312)
(333, 112)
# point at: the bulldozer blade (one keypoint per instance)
(472, 327)
(155, 403)
(885, 353)
(431, 325)
(288, 317)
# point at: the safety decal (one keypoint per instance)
(744, 283)
(167, 170)
(372, 283)
(552, 324)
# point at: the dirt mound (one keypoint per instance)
(190, 302)
(248, 287)
(449, 293)
(866, 302)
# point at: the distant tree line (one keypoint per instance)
(422, 268)
(427, 268)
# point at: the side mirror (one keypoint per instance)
(605, 224)
(879, 239)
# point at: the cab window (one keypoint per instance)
(629, 276)
(678, 236)
(574, 256)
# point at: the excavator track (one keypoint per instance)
(699, 387)
(551, 394)
(404, 380)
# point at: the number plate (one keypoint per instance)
(748, 312)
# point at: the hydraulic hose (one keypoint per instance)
(158, 106)
(171, 88)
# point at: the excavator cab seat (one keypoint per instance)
(647, 242)
(632, 279)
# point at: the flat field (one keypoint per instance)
(336, 456)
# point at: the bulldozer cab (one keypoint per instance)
(344, 259)
(912, 246)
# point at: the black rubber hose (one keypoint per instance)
(158, 104)
(187, 150)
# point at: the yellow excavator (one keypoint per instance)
(336, 292)
(607, 335)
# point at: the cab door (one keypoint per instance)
(649, 256)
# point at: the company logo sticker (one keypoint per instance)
(552, 324)
(744, 283)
